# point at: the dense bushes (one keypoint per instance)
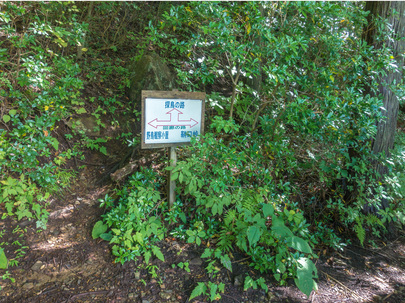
(286, 161)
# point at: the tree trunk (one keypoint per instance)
(386, 128)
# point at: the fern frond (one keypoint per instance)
(230, 217)
(360, 232)
(251, 201)
(373, 219)
(226, 239)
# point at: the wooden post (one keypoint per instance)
(172, 183)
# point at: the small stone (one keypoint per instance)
(238, 280)
(55, 232)
(166, 294)
(137, 275)
(28, 285)
(196, 261)
(37, 266)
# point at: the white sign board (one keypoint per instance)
(171, 121)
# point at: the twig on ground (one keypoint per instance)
(90, 293)
(230, 297)
(341, 284)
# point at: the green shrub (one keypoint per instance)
(134, 223)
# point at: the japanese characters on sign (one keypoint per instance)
(171, 121)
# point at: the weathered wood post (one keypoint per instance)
(172, 183)
(170, 119)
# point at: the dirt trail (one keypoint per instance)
(64, 264)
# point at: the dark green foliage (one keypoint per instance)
(134, 222)
(292, 106)
(39, 89)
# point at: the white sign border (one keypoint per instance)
(171, 95)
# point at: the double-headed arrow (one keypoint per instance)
(173, 122)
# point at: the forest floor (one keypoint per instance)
(64, 264)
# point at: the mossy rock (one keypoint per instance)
(149, 73)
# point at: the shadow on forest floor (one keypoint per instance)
(64, 264)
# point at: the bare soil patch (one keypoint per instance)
(64, 263)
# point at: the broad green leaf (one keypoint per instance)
(249, 283)
(3, 260)
(200, 289)
(344, 173)
(147, 256)
(12, 112)
(280, 229)
(183, 217)
(80, 110)
(6, 118)
(253, 234)
(268, 210)
(55, 143)
(157, 252)
(116, 231)
(262, 283)
(106, 237)
(207, 253)
(226, 262)
(98, 229)
(300, 245)
(103, 150)
(138, 237)
(213, 291)
(306, 271)
(174, 176)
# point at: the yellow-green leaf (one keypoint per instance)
(6, 118)
(3, 260)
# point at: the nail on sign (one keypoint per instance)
(170, 121)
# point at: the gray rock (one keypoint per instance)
(28, 286)
(88, 125)
(166, 294)
(149, 73)
(37, 266)
(238, 280)
(196, 261)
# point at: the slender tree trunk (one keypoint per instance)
(386, 128)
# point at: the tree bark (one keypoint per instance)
(386, 128)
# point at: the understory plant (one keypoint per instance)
(303, 95)
(133, 223)
(252, 210)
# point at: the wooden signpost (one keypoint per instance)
(170, 119)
